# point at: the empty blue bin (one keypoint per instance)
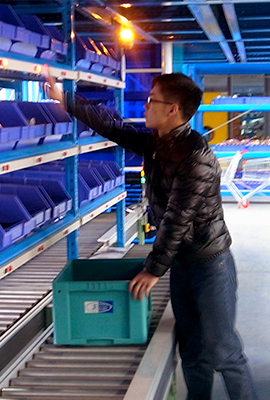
(32, 199)
(5, 43)
(53, 190)
(15, 221)
(87, 191)
(86, 57)
(12, 27)
(101, 173)
(58, 43)
(89, 187)
(62, 122)
(60, 199)
(94, 179)
(116, 173)
(110, 167)
(40, 123)
(84, 130)
(38, 33)
(13, 124)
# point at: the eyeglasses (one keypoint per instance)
(150, 100)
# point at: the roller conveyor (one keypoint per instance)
(74, 372)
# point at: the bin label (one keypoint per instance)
(98, 307)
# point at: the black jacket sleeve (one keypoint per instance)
(104, 123)
(190, 187)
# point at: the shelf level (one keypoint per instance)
(19, 253)
(37, 155)
(35, 68)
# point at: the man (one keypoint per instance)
(183, 189)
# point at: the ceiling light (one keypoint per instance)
(126, 35)
(126, 5)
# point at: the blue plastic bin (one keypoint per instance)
(62, 122)
(38, 34)
(58, 196)
(92, 304)
(110, 167)
(13, 124)
(58, 43)
(33, 200)
(53, 190)
(101, 178)
(5, 43)
(116, 173)
(15, 221)
(86, 57)
(88, 190)
(40, 123)
(84, 130)
(89, 186)
(12, 27)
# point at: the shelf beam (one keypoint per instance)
(14, 165)
(46, 237)
(35, 68)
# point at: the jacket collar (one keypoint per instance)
(168, 139)
(183, 130)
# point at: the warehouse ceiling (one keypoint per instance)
(229, 31)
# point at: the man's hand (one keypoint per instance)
(51, 88)
(142, 284)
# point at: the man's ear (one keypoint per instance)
(174, 108)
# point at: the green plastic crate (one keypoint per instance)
(92, 305)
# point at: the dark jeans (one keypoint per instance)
(203, 300)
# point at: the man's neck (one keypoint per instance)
(169, 128)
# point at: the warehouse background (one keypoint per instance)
(66, 193)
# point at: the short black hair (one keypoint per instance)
(181, 89)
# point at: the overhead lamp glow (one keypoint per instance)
(126, 35)
(96, 16)
(126, 5)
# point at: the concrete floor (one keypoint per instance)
(250, 231)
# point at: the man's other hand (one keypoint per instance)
(142, 284)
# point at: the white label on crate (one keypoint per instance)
(98, 307)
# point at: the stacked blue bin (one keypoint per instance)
(24, 124)
(26, 35)
(13, 125)
(39, 123)
(108, 172)
(53, 190)
(15, 220)
(32, 199)
(61, 120)
(89, 188)
(91, 58)
(39, 36)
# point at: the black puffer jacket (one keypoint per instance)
(183, 189)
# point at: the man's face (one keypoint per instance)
(156, 109)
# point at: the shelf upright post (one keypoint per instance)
(71, 163)
(196, 122)
(120, 159)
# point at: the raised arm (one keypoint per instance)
(102, 122)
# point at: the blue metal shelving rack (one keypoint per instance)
(69, 150)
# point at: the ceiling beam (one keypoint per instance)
(207, 21)
(106, 15)
(231, 18)
(186, 3)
